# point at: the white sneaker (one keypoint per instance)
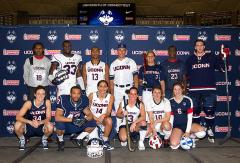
(123, 144)
(210, 135)
(141, 146)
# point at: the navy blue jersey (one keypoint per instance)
(181, 110)
(69, 107)
(201, 71)
(173, 72)
(37, 113)
(152, 76)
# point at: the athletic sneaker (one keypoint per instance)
(44, 144)
(165, 143)
(61, 145)
(22, 144)
(107, 146)
(123, 144)
(210, 135)
(75, 141)
(141, 146)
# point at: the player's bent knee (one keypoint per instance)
(200, 134)
(18, 126)
(167, 126)
(108, 121)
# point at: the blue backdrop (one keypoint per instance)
(16, 45)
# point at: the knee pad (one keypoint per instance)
(200, 134)
(210, 112)
(175, 147)
(167, 132)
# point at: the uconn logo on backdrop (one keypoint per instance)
(52, 36)
(53, 96)
(11, 97)
(202, 35)
(119, 36)
(11, 36)
(94, 36)
(161, 36)
(10, 127)
(11, 66)
(105, 17)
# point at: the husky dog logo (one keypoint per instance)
(53, 96)
(11, 97)
(161, 36)
(202, 35)
(93, 35)
(52, 36)
(10, 127)
(11, 36)
(119, 36)
(105, 17)
(11, 67)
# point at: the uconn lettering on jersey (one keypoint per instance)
(132, 112)
(38, 68)
(201, 65)
(99, 105)
(152, 72)
(95, 70)
(38, 112)
(173, 70)
(158, 112)
(70, 63)
(123, 67)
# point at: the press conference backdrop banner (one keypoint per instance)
(16, 45)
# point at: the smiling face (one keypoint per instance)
(121, 52)
(38, 50)
(157, 93)
(177, 90)
(102, 87)
(95, 53)
(75, 94)
(40, 95)
(133, 95)
(172, 53)
(150, 58)
(67, 48)
(199, 47)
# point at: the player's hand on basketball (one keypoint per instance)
(132, 127)
(186, 134)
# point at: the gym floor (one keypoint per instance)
(205, 152)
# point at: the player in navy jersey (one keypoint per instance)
(202, 87)
(68, 108)
(136, 114)
(150, 76)
(33, 119)
(101, 103)
(181, 117)
(173, 70)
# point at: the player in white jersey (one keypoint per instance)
(66, 70)
(101, 103)
(159, 111)
(136, 114)
(123, 75)
(94, 71)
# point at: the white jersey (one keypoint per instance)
(133, 114)
(71, 65)
(99, 107)
(95, 73)
(122, 71)
(159, 110)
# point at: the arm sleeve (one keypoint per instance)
(111, 72)
(190, 116)
(26, 68)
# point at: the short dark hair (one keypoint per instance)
(66, 41)
(38, 88)
(102, 81)
(75, 87)
(172, 46)
(37, 43)
(199, 40)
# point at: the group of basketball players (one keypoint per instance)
(163, 108)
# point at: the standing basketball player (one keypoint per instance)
(94, 71)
